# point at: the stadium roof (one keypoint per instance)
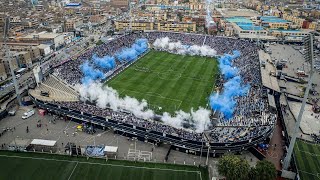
(43, 142)
(268, 80)
(111, 149)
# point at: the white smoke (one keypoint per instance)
(209, 20)
(105, 96)
(178, 48)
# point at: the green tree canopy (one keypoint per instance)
(233, 167)
(264, 170)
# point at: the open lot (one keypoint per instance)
(308, 160)
(169, 82)
(47, 166)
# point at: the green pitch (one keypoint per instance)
(308, 160)
(54, 167)
(168, 82)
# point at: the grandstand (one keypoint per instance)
(58, 91)
(251, 124)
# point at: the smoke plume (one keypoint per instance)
(130, 54)
(232, 88)
(90, 74)
(106, 62)
(164, 44)
(105, 96)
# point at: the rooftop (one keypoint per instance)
(249, 26)
(239, 20)
(272, 19)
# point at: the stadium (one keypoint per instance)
(201, 94)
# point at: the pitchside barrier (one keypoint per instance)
(178, 143)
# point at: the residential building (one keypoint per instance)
(5, 64)
(55, 40)
(33, 51)
(136, 25)
(160, 26)
(72, 24)
(23, 58)
(123, 4)
(272, 22)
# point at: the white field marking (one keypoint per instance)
(316, 175)
(65, 129)
(307, 152)
(159, 73)
(92, 163)
(73, 170)
(154, 94)
(311, 143)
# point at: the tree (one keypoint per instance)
(99, 43)
(233, 167)
(180, 16)
(264, 170)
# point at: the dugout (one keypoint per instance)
(43, 145)
(110, 151)
(19, 144)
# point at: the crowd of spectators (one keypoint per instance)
(251, 115)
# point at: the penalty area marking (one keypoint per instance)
(73, 170)
(92, 163)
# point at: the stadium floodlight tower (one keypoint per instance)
(308, 41)
(9, 59)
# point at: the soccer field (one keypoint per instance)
(45, 166)
(308, 160)
(168, 82)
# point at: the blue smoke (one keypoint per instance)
(130, 54)
(90, 74)
(232, 88)
(106, 62)
(225, 65)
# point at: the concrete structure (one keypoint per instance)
(33, 51)
(44, 49)
(273, 22)
(72, 24)
(292, 33)
(3, 73)
(123, 4)
(6, 66)
(23, 58)
(56, 40)
(160, 26)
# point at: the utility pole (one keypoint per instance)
(309, 57)
(207, 160)
(8, 58)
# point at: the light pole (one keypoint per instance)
(309, 45)
(208, 154)
(8, 57)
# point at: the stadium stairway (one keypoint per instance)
(57, 91)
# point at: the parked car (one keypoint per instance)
(12, 112)
(28, 114)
